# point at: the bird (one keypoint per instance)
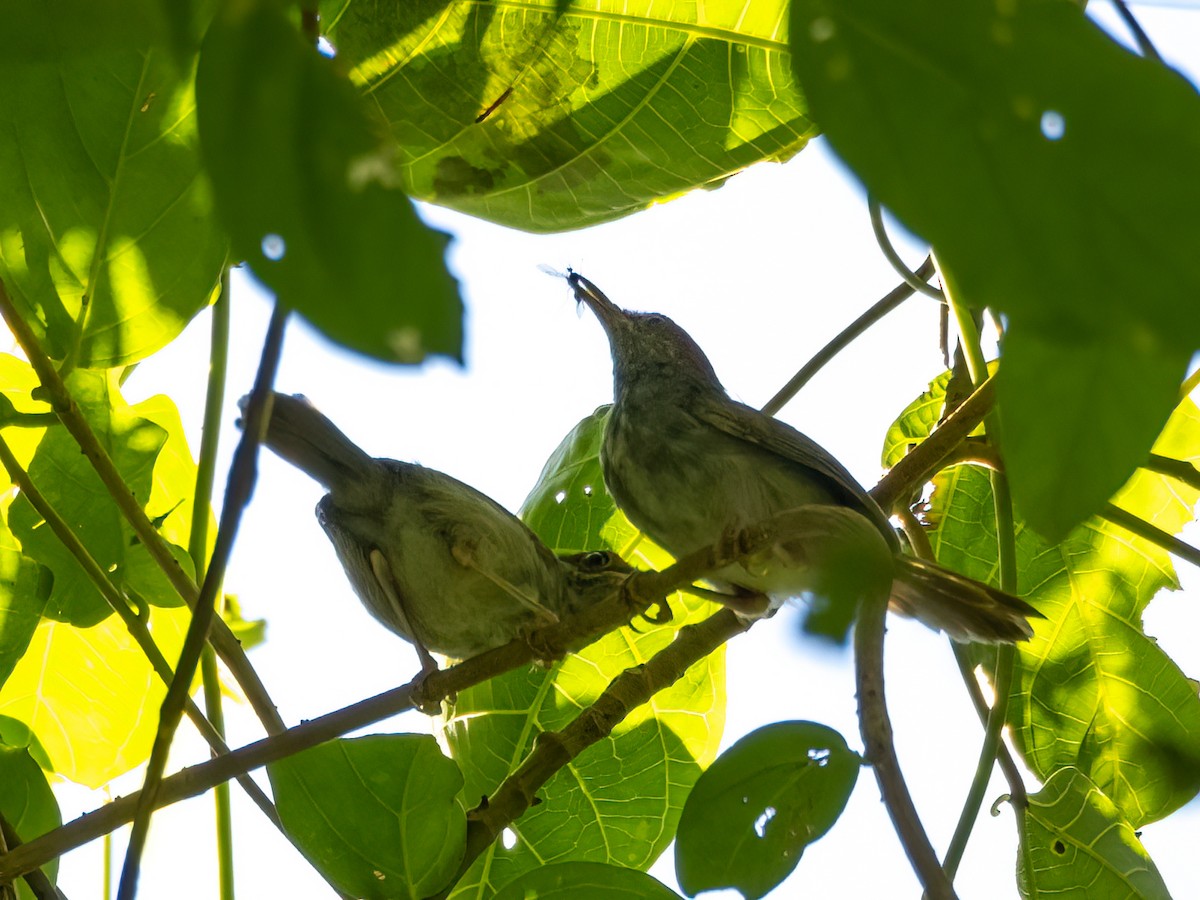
(435, 561)
(686, 463)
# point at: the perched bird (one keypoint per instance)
(685, 462)
(437, 562)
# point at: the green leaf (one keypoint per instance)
(619, 801)
(24, 590)
(548, 116)
(249, 632)
(585, 881)
(308, 193)
(1076, 844)
(17, 384)
(379, 816)
(956, 113)
(766, 798)
(917, 420)
(1091, 690)
(27, 803)
(16, 733)
(90, 696)
(107, 242)
(70, 484)
(1079, 416)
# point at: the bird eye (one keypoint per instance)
(596, 559)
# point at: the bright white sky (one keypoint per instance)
(762, 272)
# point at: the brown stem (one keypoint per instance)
(554, 750)
(877, 311)
(927, 457)
(35, 879)
(876, 730)
(223, 640)
(597, 620)
(137, 628)
(239, 488)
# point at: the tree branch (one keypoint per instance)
(1146, 531)
(137, 628)
(927, 457)
(36, 880)
(223, 640)
(1179, 469)
(913, 279)
(881, 308)
(239, 488)
(876, 731)
(554, 750)
(634, 595)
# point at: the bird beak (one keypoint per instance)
(611, 316)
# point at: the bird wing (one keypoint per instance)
(740, 421)
(490, 541)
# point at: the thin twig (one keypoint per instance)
(35, 879)
(881, 308)
(1006, 559)
(64, 406)
(876, 731)
(1151, 533)
(137, 628)
(1008, 765)
(1179, 469)
(239, 487)
(555, 750)
(927, 457)
(206, 467)
(1145, 45)
(911, 278)
(636, 594)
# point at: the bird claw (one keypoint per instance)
(545, 653)
(662, 616)
(737, 542)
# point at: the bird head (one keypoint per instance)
(644, 345)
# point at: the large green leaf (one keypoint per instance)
(90, 696)
(1092, 690)
(766, 798)
(107, 242)
(1076, 844)
(70, 484)
(24, 590)
(309, 193)
(553, 115)
(618, 801)
(27, 803)
(959, 117)
(379, 816)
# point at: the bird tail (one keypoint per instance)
(299, 433)
(967, 610)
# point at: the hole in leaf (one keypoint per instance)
(273, 247)
(819, 755)
(508, 838)
(325, 48)
(1053, 125)
(760, 824)
(1060, 848)
(560, 496)
(587, 490)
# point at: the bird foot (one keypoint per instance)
(429, 705)
(737, 543)
(545, 652)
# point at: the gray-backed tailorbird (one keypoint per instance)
(437, 562)
(686, 463)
